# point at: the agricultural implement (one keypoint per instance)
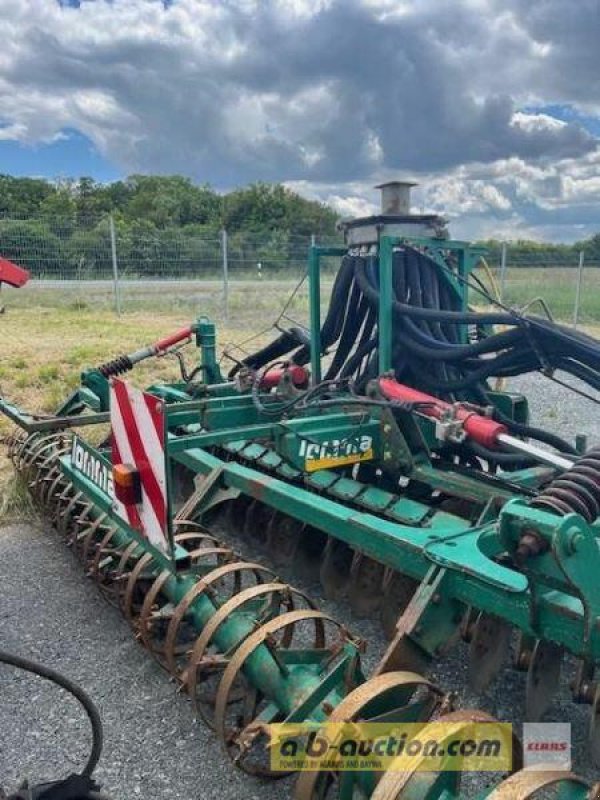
(370, 449)
(12, 275)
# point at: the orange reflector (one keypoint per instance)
(128, 488)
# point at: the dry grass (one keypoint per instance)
(46, 346)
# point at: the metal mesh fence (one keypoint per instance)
(103, 262)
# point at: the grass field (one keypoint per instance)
(50, 335)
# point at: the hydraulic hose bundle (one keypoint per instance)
(429, 348)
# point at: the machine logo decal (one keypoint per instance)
(95, 468)
(336, 452)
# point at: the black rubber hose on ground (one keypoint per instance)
(73, 689)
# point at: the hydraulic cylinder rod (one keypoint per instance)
(484, 430)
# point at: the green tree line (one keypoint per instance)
(526, 253)
(163, 224)
(169, 225)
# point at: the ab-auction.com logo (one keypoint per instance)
(547, 745)
(371, 746)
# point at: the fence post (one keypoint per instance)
(502, 271)
(578, 290)
(225, 275)
(313, 240)
(115, 265)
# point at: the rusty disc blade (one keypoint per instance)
(335, 569)
(543, 676)
(365, 588)
(594, 729)
(488, 651)
(398, 592)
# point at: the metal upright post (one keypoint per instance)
(578, 290)
(314, 287)
(225, 275)
(502, 271)
(115, 265)
(384, 323)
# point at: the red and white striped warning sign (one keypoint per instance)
(138, 439)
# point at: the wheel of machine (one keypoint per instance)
(136, 587)
(402, 696)
(90, 531)
(43, 496)
(44, 467)
(153, 618)
(54, 492)
(183, 526)
(398, 590)
(14, 442)
(206, 664)
(65, 519)
(192, 539)
(237, 711)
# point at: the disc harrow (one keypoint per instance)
(368, 451)
(270, 624)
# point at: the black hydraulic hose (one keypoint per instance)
(354, 361)
(522, 429)
(281, 346)
(456, 317)
(501, 365)
(446, 351)
(581, 371)
(501, 458)
(77, 692)
(355, 313)
(332, 326)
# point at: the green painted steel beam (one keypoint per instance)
(475, 579)
(32, 424)
(314, 289)
(386, 295)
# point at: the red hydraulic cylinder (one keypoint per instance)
(483, 430)
(273, 376)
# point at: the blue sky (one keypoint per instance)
(493, 106)
(73, 154)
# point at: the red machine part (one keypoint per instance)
(12, 274)
(481, 429)
(273, 376)
(174, 338)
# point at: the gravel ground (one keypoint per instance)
(154, 748)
